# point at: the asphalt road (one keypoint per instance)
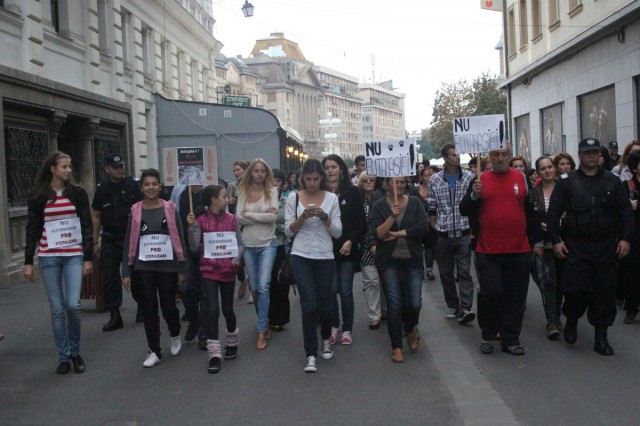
(446, 382)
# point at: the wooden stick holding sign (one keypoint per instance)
(190, 200)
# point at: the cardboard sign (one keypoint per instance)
(155, 247)
(190, 166)
(393, 158)
(480, 133)
(220, 245)
(63, 232)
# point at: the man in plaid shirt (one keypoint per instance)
(453, 249)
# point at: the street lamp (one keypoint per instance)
(329, 123)
(247, 9)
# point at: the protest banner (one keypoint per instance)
(392, 158)
(190, 166)
(477, 134)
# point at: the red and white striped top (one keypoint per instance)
(61, 208)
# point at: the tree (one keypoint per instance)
(460, 99)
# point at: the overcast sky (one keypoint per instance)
(419, 44)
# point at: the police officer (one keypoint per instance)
(594, 234)
(111, 205)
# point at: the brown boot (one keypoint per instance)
(413, 340)
(397, 356)
(261, 343)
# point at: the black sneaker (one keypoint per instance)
(78, 363)
(64, 367)
(466, 317)
(192, 332)
(230, 352)
(214, 365)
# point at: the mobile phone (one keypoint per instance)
(311, 206)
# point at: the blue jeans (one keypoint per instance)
(313, 279)
(403, 289)
(343, 285)
(62, 277)
(258, 262)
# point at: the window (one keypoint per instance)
(147, 52)
(55, 15)
(126, 38)
(536, 30)
(554, 19)
(575, 7)
(524, 28)
(511, 49)
(271, 97)
(104, 26)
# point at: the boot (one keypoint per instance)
(115, 322)
(571, 331)
(601, 344)
(231, 350)
(215, 356)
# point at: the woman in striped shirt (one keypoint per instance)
(60, 227)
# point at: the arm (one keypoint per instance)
(96, 220)
(34, 231)
(84, 213)
(242, 220)
(470, 204)
(332, 221)
(557, 207)
(195, 237)
(418, 224)
(432, 203)
(240, 245)
(126, 268)
(182, 265)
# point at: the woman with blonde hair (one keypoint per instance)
(257, 211)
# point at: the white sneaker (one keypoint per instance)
(327, 352)
(176, 345)
(451, 313)
(311, 365)
(151, 360)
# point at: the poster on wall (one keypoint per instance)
(598, 116)
(552, 141)
(190, 166)
(523, 137)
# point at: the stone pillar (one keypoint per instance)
(56, 120)
(85, 163)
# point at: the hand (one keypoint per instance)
(391, 235)
(345, 250)
(243, 213)
(182, 278)
(543, 225)
(634, 204)
(395, 210)
(126, 283)
(191, 219)
(560, 250)
(539, 251)
(622, 249)
(477, 188)
(87, 268)
(28, 273)
(97, 250)
(272, 210)
(233, 201)
(373, 250)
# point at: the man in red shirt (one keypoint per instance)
(500, 209)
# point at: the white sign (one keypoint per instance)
(63, 232)
(480, 133)
(220, 245)
(155, 247)
(394, 158)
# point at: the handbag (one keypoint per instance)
(284, 272)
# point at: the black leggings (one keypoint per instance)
(210, 288)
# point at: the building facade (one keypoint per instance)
(80, 76)
(572, 71)
(382, 112)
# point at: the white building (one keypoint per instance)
(572, 71)
(80, 76)
(382, 112)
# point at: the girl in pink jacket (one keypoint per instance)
(215, 234)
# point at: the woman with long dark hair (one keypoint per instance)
(312, 218)
(345, 248)
(59, 229)
(399, 223)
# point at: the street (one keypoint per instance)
(447, 382)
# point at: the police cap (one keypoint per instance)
(113, 160)
(589, 144)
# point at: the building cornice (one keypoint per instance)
(612, 24)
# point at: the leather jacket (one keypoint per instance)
(35, 224)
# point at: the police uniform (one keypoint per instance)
(598, 216)
(114, 201)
